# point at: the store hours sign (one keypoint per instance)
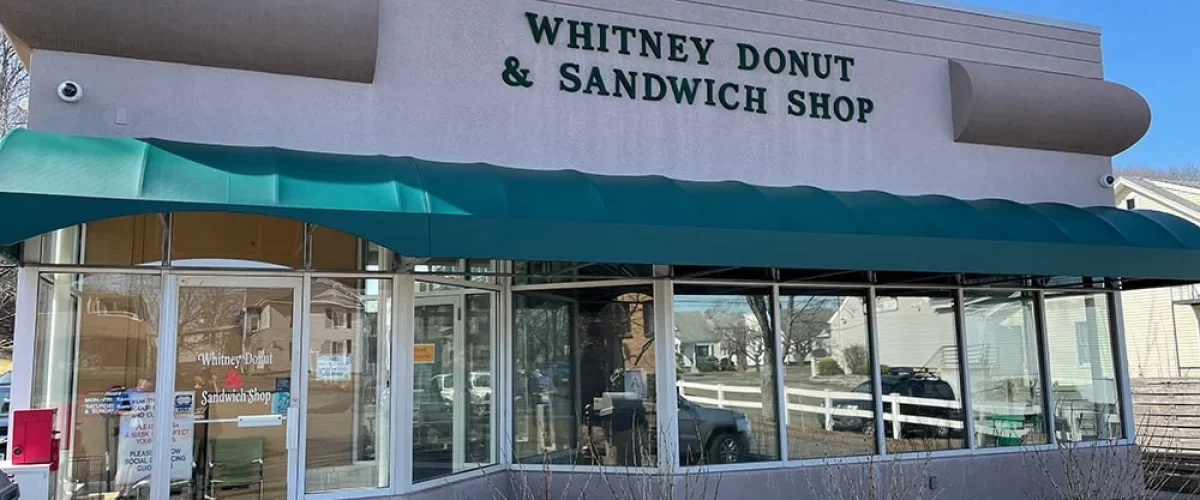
(673, 85)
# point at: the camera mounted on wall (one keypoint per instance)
(69, 91)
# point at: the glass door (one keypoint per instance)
(438, 409)
(236, 430)
(453, 421)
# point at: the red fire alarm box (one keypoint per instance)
(33, 438)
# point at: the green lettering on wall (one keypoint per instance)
(816, 64)
(725, 102)
(580, 32)
(570, 81)
(681, 87)
(756, 100)
(843, 108)
(796, 103)
(626, 82)
(747, 57)
(865, 107)
(542, 28)
(651, 43)
(595, 84)
(649, 92)
(819, 102)
(684, 89)
(677, 45)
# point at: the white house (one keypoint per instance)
(1161, 324)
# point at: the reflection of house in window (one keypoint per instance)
(1083, 343)
(338, 318)
(116, 306)
(258, 319)
(336, 347)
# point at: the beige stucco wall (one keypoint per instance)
(438, 94)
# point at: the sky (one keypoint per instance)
(1150, 46)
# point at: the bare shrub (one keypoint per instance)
(1100, 470)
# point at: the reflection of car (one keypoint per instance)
(712, 435)
(480, 401)
(481, 387)
(433, 420)
(909, 383)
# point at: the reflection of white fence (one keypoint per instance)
(822, 403)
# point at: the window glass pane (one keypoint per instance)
(1002, 351)
(124, 241)
(348, 436)
(918, 353)
(480, 271)
(220, 239)
(540, 272)
(829, 404)
(453, 422)
(584, 376)
(95, 363)
(727, 405)
(1086, 405)
(333, 250)
(230, 368)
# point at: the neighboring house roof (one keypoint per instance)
(1159, 190)
(697, 327)
(692, 327)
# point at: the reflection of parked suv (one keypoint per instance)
(712, 435)
(908, 382)
(480, 391)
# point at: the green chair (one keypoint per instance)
(235, 462)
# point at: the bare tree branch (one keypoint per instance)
(14, 88)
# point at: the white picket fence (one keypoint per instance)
(795, 402)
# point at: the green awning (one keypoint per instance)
(429, 209)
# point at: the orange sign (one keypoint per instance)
(423, 353)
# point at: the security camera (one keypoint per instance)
(1108, 180)
(70, 91)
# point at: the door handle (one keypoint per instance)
(293, 430)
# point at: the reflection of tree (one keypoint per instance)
(206, 316)
(8, 303)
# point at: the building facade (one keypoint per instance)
(420, 249)
(1161, 323)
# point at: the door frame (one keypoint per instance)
(460, 405)
(168, 357)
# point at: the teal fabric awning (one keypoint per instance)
(423, 208)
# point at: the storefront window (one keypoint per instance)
(124, 241)
(542, 272)
(96, 359)
(347, 441)
(584, 376)
(223, 239)
(1086, 402)
(234, 360)
(1002, 352)
(333, 250)
(828, 385)
(727, 404)
(918, 354)
(454, 338)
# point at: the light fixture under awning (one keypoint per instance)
(422, 208)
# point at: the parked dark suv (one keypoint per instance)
(707, 435)
(909, 382)
(712, 435)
